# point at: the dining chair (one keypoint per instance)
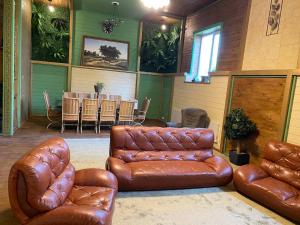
(140, 115)
(101, 97)
(108, 112)
(70, 95)
(116, 98)
(53, 115)
(89, 112)
(126, 112)
(70, 113)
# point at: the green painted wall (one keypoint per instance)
(90, 24)
(51, 78)
(159, 89)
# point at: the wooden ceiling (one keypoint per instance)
(186, 7)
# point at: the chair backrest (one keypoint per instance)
(145, 106)
(70, 109)
(101, 97)
(47, 100)
(133, 144)
(108, 108)
(116, 98)
(70, 95)
(41, 180)
(126, 112)
(195, 118)
(89, 109)
(282, 161)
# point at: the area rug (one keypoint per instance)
(205, 206)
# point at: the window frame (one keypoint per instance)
(197, 42)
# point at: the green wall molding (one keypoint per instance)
(8, 66)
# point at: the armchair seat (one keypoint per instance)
(275, 182)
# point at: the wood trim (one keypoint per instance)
(285, 105)
(261, 72)
(181, 44)
(49, 63)
(138, 76)
(71, 22)
(226, 110)
(220, 73)
(103, 69)
(244, 36)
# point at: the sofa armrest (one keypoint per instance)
(247, 174)
(96, 177)
(119, 168)
(174, 125)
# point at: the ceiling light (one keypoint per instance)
(51, 8)
(156, 4)
(163, 27)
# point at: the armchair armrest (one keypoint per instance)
(247, 174)
(96, 177)
(173, 124)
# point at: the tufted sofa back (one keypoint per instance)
(282, 161)
(41, 180)
(134, 144)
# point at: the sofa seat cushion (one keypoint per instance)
(271, 192)
(98, 197)
(156, 175)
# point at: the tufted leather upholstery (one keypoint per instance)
(276, 182)
(44, 188)
(165, 158)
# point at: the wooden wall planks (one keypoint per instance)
(262, 100)
(233, 15)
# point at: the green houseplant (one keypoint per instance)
(239, 127)
(99, 87)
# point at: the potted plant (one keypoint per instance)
(99, 87)
(239, 127)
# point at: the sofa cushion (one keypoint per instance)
(98, 197)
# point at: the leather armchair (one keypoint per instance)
(156, 158)
(192, 118)
(45, 189)
(275, 183)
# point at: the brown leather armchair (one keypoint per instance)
(276, 182)
(165, 158)
(45, 189)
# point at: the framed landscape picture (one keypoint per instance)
(105, 53)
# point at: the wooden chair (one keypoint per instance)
(70, 112)
(70, 95)
(108, 112)
(126, 112)
(89, 112)
(53, 115)
(140, 115)
(101, 97)
(116, 98)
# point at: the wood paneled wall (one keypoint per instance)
(232, 14)
(262, 100)
(1, 36)
(210, 97)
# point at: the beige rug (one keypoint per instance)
(206, 206)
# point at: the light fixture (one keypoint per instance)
(51, 8)
(163, 27)
(114, 21)
(156, 4)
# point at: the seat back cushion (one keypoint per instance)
(282, 161)
(134, 144)
(42, 179)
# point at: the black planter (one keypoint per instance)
(239, 159)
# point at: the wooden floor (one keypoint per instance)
(31, 134)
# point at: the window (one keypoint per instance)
(205, 54)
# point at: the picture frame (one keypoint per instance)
(274, 17)
(105, 53)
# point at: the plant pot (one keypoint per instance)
(239, 159)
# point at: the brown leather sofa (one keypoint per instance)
(45, 189)
(165, 158)
(276, 182)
